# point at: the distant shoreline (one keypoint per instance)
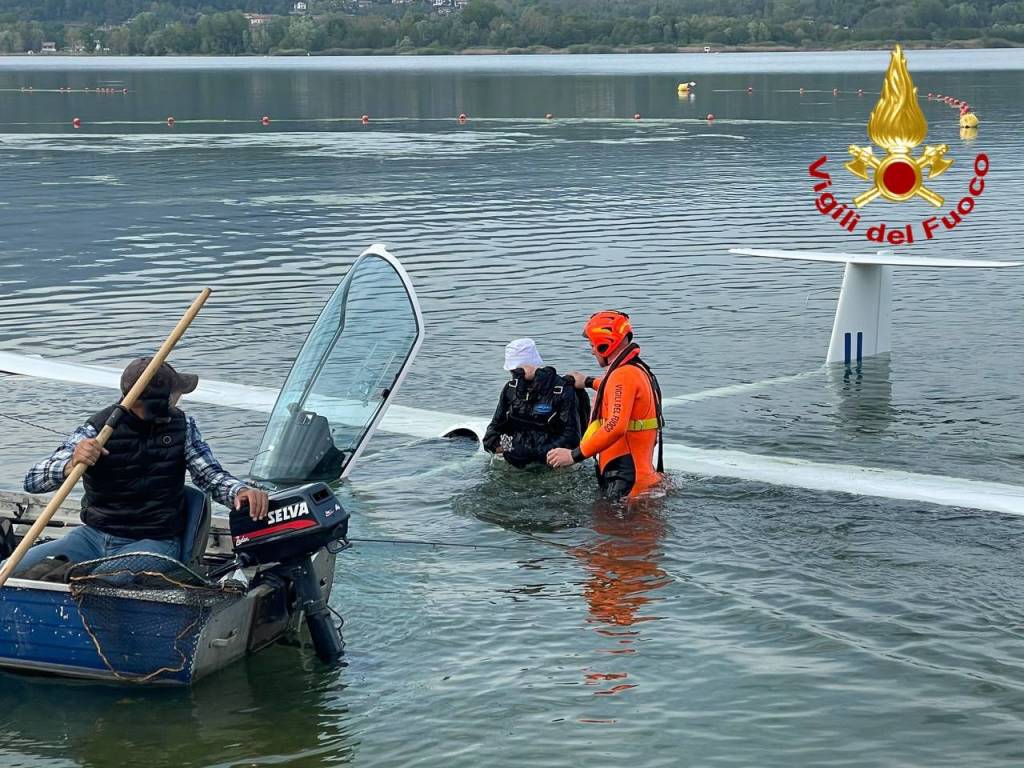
(584, 49)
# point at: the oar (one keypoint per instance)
(126, 403)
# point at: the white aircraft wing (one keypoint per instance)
(399, 419)
(776, 470)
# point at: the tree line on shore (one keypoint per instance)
(344, 26)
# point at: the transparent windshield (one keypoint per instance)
(350, 364)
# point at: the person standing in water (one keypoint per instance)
(626, 421)
(538, 409)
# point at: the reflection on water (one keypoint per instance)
(622, 566)
(239, 714)
(862, 395)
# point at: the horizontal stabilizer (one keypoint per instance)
(881, 258)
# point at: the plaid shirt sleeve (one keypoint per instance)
(206, 471)
(48, 474)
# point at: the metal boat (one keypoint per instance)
(236, 586)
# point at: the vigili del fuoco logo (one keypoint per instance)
(897, 125)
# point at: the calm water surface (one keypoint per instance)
(728, 624)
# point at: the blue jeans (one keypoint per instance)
(85, 543)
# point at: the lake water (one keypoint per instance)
(728, 624)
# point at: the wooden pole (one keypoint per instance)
(79, 469)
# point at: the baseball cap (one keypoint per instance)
(166, 379)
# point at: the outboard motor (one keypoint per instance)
(301, 521)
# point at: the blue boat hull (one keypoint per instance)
(42, 630)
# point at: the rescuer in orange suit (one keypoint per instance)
(626, 420)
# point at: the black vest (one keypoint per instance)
(138, 491)
(536, 408)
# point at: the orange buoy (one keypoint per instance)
(710, 117)
(549, 116)
(170, 122)
(636, 116)
(76, 123)
(265, 120)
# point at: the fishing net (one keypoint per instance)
(145, 612)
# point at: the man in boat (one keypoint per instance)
(134, 487)
(537, 410)
(627, 420)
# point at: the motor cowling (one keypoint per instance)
(301, 520)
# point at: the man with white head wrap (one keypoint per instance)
(538, 409)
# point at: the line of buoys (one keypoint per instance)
(265, 121)
(968, 120)
(65, 89)
(76, 123)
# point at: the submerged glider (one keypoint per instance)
(861, 329)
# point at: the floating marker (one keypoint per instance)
(170, 122)
(76, 123)
(265, 120)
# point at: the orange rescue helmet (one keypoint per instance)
(606, 330)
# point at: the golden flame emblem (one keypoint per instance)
(897, 125)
